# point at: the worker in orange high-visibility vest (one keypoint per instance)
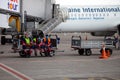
(47, 40)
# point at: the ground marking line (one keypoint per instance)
(14, 73)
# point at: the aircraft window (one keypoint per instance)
(96, 14)
(114, 14)
(83, 15)
(71, 15)
(79, 15)
(103, 14)
(86, 15)
(100, 14)
(74, 15)
(89, 14)
(107, 14)
(93, 15)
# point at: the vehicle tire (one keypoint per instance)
(88, 52)
(52, 53)
(81, 51)
(22, 53)
(46, 54)
(3, 40)
(28, 54)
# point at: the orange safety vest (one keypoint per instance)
(47, 40)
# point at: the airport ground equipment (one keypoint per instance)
(51, 49)
(16, 43)
(47, 50)
(25, 53)
(7, 35)
(85, 46)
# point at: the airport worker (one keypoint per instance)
(26, 41)
(58, 40)
(41, 44)
(47, 40)
(35, 45)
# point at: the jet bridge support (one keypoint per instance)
(17, 22)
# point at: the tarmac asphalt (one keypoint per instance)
(67, 64)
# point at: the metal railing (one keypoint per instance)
(52, 23)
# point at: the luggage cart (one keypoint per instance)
(85, 46)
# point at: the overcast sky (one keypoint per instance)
(88, 2)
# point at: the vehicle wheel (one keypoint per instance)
(46, 53)
(88, 52)
(52, 53)
(3, 40)
(81, 51)
(28, 54)
(22, 53)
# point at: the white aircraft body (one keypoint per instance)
(98, 19)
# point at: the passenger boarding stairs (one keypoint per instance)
(48, 26)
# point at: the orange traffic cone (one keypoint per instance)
(103, 54)
(108, 53)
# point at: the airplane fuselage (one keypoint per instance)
(90, 18)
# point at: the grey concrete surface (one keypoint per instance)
(65, 65)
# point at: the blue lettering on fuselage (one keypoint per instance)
(90, 13)
(74, 10)
(96, 9)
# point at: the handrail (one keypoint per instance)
(53, 22)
